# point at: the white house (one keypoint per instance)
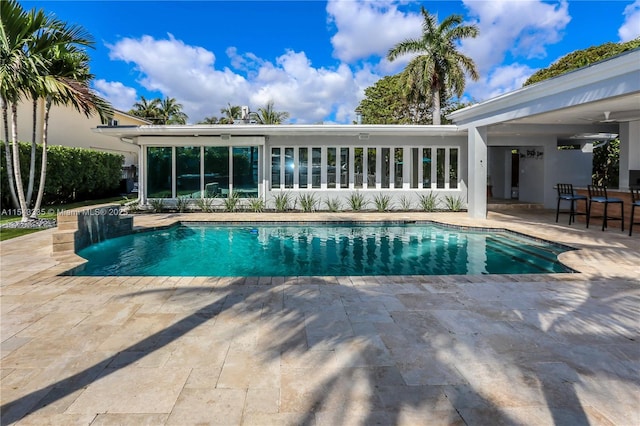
(68, 127)
(514, 138)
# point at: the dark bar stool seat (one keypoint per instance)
(598, 194)
(565, 193)
(635, 200)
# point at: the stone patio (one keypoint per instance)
(395, 350)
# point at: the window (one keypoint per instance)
(275, 168)
(159, 172)
(426, 167)
(331, 167)
(245, 171)
(316, 158)
(371, 167)
(440, 171)
(453, 168)
(344, 167)
(386, 166)
(303, 167)
(398, 167)
(289, 167)
(358, 167)
(216, 171)
(188, 171)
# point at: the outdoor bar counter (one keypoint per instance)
(613, 210)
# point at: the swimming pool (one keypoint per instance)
(320, 250)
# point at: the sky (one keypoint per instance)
(312, 58)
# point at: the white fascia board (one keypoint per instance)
(614, 77)
(134, 132)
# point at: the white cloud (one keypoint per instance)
(188, 73)
(630, 29)
(500, 80)
(366, 28)
(520, 28)
(119, 95)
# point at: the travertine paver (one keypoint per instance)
(534, 349)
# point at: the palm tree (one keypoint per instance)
(170, 112)
(147, 109)
(209, 120)
(439, 67)
(25, 37)
(231, 113)
(268, 115)
(69, 77)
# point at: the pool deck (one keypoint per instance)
(551, 349)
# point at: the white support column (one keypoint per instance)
(323, 168)
(202, 187)
(629, 151)
(379, 168)
(174, 178)
(142, 175)
(477, 179)
(407, 161)
(352, 167)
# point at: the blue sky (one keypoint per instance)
(315, 58)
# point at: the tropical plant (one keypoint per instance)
(231, 113)
(268, 115)
(405, 203)
(182, 203)
(157, 204)
(308, 202)
(256, 205)
(382, 202)
(333, 204)
(205, 204)
(282, 201)
(209, 120)
(356, 201)
(454, 204)
(147, 109)
(439, 67)
(170, 112)
(28, 41)
(428, 202)
(231, 202)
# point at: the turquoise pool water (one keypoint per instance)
(320, 250)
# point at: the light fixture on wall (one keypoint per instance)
(363, 136)
(225, 136)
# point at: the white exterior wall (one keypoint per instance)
(68, 127)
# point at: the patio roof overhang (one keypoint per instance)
(594, 99)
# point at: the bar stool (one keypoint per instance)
(598, 194)
(565, 193)
(635, 200)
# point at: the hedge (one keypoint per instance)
(73, 174)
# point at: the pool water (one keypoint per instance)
(320, 250)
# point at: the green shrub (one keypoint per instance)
(256, 205)
(181, 204)
(73, 174)
(405, 203)
(308, 202)
(382, 202)
(157, 204)
(428, 202)
(454, 204)
(333, 204)
(356, 201)
(231, 202)
(282, 202)
(205, 204)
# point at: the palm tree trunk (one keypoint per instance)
(17, 173)
(436, 106)
(32, 162)
(7, 152)
(43, 168)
